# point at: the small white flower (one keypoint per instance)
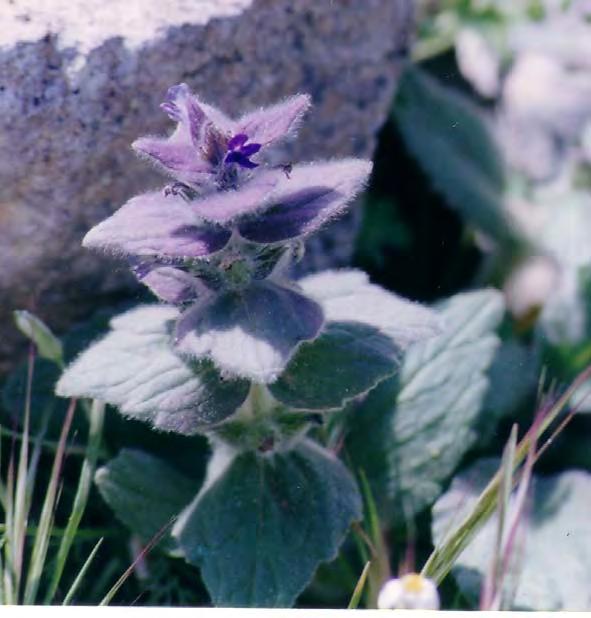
(412, 591)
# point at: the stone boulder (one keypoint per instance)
(81, 79)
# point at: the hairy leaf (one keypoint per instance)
(154, 224)
(348, 296)
(261, 529)
(412, 430)
(135, 368)
(145, 493)
(346, 360)
(168, 283)
(269, 124)
(307, 198)
(225, 206)
(550, 566)
(251, 332)
(184, 154)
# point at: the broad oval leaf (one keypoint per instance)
(412, 430)
(135, 368)
(348, 359)
(145, 493)
(252, 332)
(554, 563)
(259, 532)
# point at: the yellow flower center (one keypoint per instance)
(413, 583)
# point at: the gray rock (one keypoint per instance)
(81, 79)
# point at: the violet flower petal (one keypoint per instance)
(250, 333)
(156, 225)
(237, 141)
(312, 195)
(275, 122)
(250, 149)
(235, 157)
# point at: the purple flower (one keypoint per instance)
(205, 139)
(239, 151)
(218, 242)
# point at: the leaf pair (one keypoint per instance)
(257, 334)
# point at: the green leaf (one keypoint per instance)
(260, 530)
(48, 345)
(455, 149)
(551, 569)
(145, 493)
(513, 378)
(346, 360)
(135, 368)
(411, 431)
(361, 345)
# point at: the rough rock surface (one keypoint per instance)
(81, 79)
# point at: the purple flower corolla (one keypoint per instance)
(240, 152)
(205, 138)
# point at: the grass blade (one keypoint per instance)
(8, 573)
(21, 501)
(493, 576)
(97, 416)
(444, 556)
(141, 556)
(379, 571)
(81, 574)
(46, 520)
(356, 596)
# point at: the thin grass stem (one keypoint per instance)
(358, 591)
(42, 537)
(81, 574)
(97, 416)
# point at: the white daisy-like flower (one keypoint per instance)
(412, 591)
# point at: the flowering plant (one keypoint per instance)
(239, 351)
